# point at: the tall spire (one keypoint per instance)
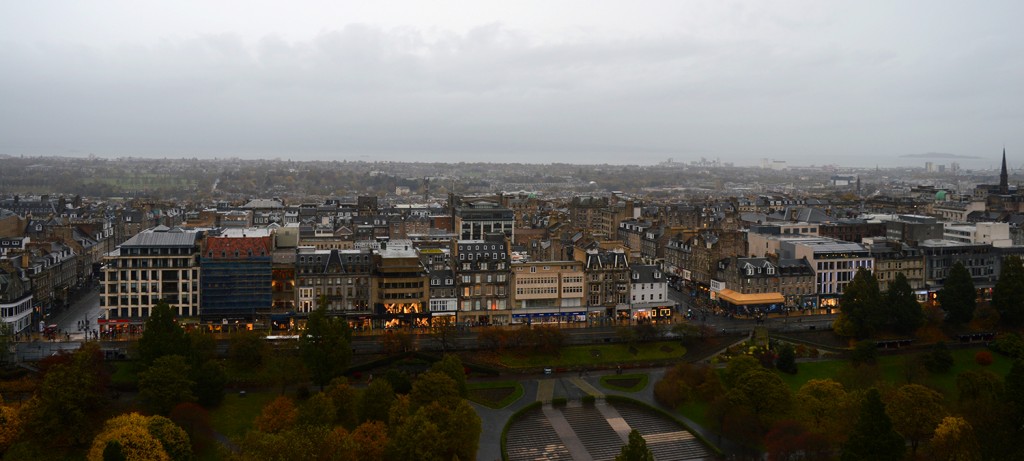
(1004, 178)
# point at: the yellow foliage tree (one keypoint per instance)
(10, 426)
(278, 416)
(136, 444)
(954, 441)
(142, 438)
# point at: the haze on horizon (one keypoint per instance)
(809, 82)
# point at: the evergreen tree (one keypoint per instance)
(325, 346)
(873, 438)
(162, 336)
(636, 449)
(906, 312)
(860, 308)
(786, 362)
(958, 296)
(1008, 295)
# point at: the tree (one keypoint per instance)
(635, 449)
(210, 379)
(371, 440)
(820, 402)
(134, 434)
(452, 366)
(916, 411)
(345, 400)
(166, 383)
(5, 341)
(247, 350)
(172, 437)
(939, 360)
(10, 426)
(873, 437)
(907, 315)
(789, 440)
(1013, 391)
(1008, 294)
(764, 393)
(954, 441)
(958, 296)
(325, 346)
(285, 370)
(277, 416)
(443, 331)
(317, 411)
(860, 308)
(73, 394)
(162, 335)
(376, 401)
(737, 367)
(786, 362)
(433, 386)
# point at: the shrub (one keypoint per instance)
(1010, 345)
(589, 399)
(786, 362)
(939, 360)
(865, 352)
(559, 402)
(983, 358)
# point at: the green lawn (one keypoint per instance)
(235, 415)
(576, 356)
(891, 369)
(641, 379)
(495, 394)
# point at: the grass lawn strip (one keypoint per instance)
(630, 382)
(576, 356)
(495, 394)
(235, 415)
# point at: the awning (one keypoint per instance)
(740, 299)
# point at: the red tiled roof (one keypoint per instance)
(237, 247)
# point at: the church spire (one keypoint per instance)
(1004, 178)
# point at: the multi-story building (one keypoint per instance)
(341, 278)
(607, 278)
(835, 263)
(980, 259)
(15, 300)
(649, 294)
(235, 277)
(792, 279)
(399, 292)
(156, 264)
(550, 287)
(482, 276)
(891, 258)
(474, 220)
(992, 233)
(444, 300)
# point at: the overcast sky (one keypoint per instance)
(852, 83)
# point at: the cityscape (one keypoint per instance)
(713, 230)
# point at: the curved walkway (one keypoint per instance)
(579, 433)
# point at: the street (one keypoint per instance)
(85, 309)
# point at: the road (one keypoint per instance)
(86, 308)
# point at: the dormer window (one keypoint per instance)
(750, 270)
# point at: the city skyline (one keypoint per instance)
(804, 82)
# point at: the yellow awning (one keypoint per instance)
(740, 299)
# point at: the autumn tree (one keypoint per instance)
(325, 346)
(764, 393)
(371, 440)
(345, 401)
(318, 410)
(822, 404)
(873, 437)
(860, 308)
(1008, 294)
(452, 366)
(73, 394)
(10, 426)
(906, 313)
(958, 296)
(376, 401)
(915, 411)
(277, 416)
(954, 440)
(142, 438)
(635, 449)
(162, 335)
(166, 383)
(433, 386)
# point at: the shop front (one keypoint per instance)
(752, 303)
